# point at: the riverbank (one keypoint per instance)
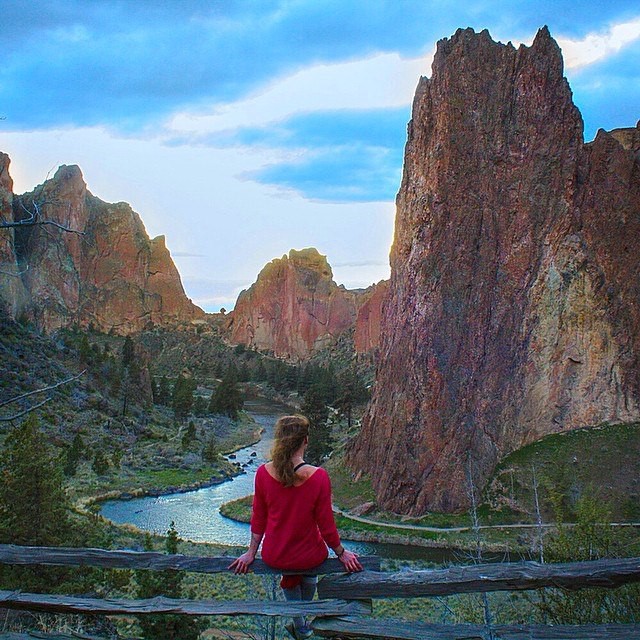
(155, 483)
(357, 529)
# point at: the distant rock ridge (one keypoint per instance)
(294, 308)
(513, 309)
(111, 276)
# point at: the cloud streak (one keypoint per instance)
(132, 65)
(595, 47)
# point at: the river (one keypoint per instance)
(197, 513)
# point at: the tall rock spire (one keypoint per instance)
(510, 315)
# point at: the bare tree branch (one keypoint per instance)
(50, 388)
(35, 219)
(31, 393)
(24, 413)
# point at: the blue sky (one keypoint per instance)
(242, 129)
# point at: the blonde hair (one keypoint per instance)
(289, 436)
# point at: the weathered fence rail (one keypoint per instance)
(399, 630)
(345, 600)
(161, 605)
(125, 559)
(511, 576)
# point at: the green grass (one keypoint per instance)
(602, 461)
(239, 509)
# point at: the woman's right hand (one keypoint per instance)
(241, 564)
(350, 561)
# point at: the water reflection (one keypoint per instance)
(197, 513)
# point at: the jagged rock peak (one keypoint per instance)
(310, 259)
(512, 306)
(103, 270)
(293, 308)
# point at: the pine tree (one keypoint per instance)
(167, 583)
(182, 399)
(227, 399)
(210, 450)
(73, 455)
(189, 435)
(33, 504)
(128, 352)
(164, 391)
(317, 412)
(100, 463)
(351, 392)
(259, 373)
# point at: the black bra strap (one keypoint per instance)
(299, 465)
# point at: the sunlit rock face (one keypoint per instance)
(513, 309)
(293, 308)
(369, 317)
(103, 270)
(12, 293)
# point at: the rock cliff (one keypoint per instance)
(110, 275)
(513, 299)
(369, 318)
(293, 308)
(12, 293)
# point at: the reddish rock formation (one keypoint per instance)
(368, 321)
(111, 275)
(293, 308)
(513, 304)
(12, 293)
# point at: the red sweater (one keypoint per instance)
(294, 520)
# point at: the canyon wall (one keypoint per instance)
(512, 310)
(368, 323)
(92, 264)
(12, 292)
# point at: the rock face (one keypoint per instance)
(12, 293)
(293, 308)
(111, 276)
(513, 300)
(369, 318)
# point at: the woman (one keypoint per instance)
(293, 518)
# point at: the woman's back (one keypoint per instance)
(296, 520)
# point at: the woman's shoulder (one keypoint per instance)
(318, 473)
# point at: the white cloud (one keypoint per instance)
(597, 46)
(385, 80)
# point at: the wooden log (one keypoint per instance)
(511, 576)
(161, 605)
(402, 630)
(41, 635)
(124, 559)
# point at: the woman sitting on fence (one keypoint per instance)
(292, 516)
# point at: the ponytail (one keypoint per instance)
(289, 437)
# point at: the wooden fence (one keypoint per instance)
(345, 601)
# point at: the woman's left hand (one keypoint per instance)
(350, 561)
(241, 564)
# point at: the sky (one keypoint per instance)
(241, 129)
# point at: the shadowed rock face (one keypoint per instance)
(513, 300)
(293, 308)
(112, 276)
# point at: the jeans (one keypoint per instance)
(304, 591)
